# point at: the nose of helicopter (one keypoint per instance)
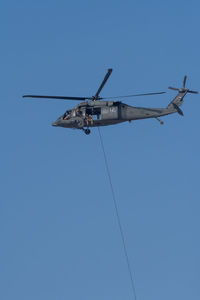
(56, 123)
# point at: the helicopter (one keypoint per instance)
(98, 111)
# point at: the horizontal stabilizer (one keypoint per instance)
(179, 111)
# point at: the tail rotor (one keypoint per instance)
(183, 89)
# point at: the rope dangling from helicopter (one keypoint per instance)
(118, 217)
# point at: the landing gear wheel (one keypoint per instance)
(87, 131)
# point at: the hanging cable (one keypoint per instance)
(118, 217)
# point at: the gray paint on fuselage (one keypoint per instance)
(114, 112)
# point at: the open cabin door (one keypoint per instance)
(94, 112)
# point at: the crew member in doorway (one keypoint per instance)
(90, 119)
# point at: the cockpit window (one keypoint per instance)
(67, 115)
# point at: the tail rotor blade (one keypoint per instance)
(184, 81)
(193, 92)
(173, 88)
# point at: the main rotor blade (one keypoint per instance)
(56, 97)
(172, 88)
(103, 83)
(135, 95)
(193, 92)
(184, 81)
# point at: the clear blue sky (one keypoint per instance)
(58, 232)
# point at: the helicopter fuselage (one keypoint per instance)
(104, 113)
(95, 113)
